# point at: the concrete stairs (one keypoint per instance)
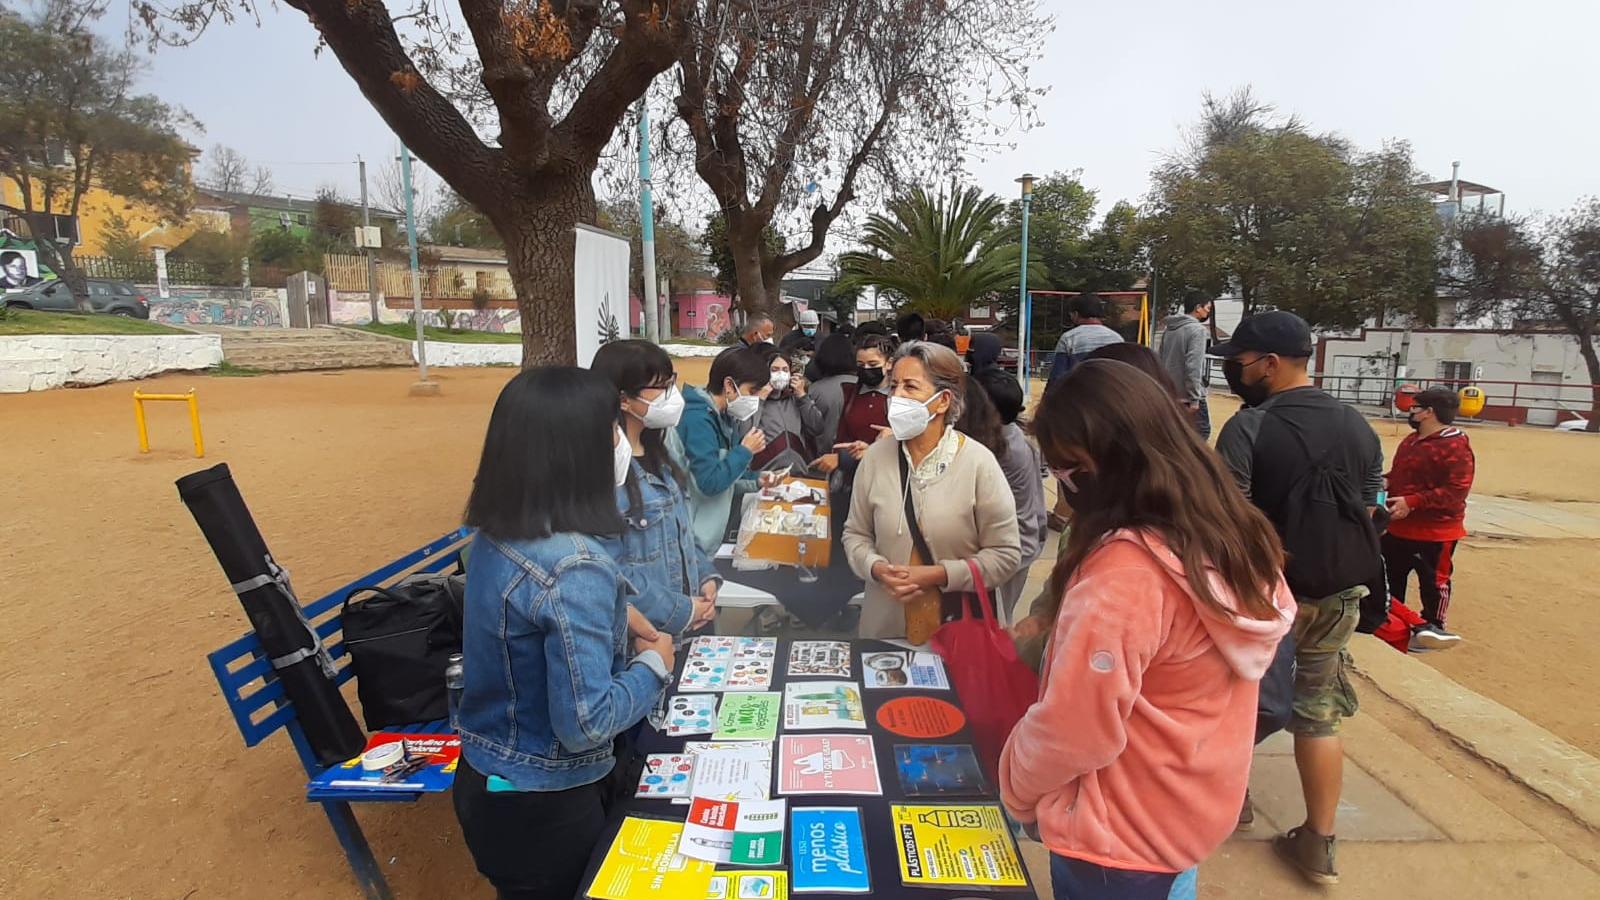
(302, 349)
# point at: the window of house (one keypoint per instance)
(1455, 373)
(978, 312)
(303, 219)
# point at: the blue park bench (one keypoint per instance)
(255, 697)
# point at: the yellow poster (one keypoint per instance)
(644, 862)
(956, 845)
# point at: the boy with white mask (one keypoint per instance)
(719, 462)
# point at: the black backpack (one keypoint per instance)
(400, 639)
(1328, 537)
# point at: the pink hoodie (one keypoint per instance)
(1137, 753)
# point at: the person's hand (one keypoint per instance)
(885, 433)
(826, 463)
(765, 392)
(797, 383)
(769, 479)
(1029, 628)
(919, 579)
(895, 579)
(754, 440)
(639, 626)
(661, 645)
(856, 449)
(705, 609)
(1398, 508)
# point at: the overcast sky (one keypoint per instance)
(1508, 89)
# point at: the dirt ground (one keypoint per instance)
(124, 772)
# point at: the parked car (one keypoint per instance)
(117, 298)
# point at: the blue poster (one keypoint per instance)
(829, 852)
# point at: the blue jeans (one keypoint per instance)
(1202, 420)
(1075, 879)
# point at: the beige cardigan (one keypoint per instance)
(967, 512)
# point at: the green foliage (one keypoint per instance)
(407, 331)
(121, 244)
(720, 255)
(457, 223)
(284, 249)
(936, 254)
(26, 321)
(1059, 219)
(218, 252)
(1292, 220)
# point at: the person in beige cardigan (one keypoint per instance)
(960, 495)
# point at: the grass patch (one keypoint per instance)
(409, 333)
(30, 321)
(227, 369)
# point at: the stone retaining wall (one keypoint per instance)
(37, 362)
(446, 354)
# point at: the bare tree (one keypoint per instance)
(226, 169)
(389, 190)
(261, 181)
(511, 105)
(792, 108)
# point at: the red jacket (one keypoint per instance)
(1434, 475)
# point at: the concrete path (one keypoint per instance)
(1507, 517)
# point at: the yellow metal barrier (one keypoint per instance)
(140, 397)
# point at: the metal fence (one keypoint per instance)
(346, 272)
(181, 272)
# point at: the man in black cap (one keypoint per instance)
(1315, 467)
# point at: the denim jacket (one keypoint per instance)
(658, 554)
(549, 683)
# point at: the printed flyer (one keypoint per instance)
(749, 717)
(904, 669)
(751, 884)
(741, 832)
(430, 766)
(644, 862)
(956, 846)
(741, 773)
(812, 705)
(830, 855)
(727, 663)
(809, 659)
(688, 714)
(932, 770)
(828, 764)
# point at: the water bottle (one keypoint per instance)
(454, 680)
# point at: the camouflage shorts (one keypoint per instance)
(1323, 694)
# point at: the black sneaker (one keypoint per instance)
(1310, 853)
(1432, 637)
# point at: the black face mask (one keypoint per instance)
(870, 376)
(1252, 394)
(1415, 425)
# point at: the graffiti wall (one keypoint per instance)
(350, 308)
(218, 306)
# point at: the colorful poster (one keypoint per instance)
(643, 862)
(750, 885)
(956, 846)
(921, 717)
(726, 663)
(809, 659)
(749, 717)
(689, 714)
(744, 773)
(810, 705)
(829, 853)
(828, 764)
(430, 766)
(904, 669)
(934, 770)
(666, 776)
(740, 832)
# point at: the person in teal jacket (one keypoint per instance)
(717, 460)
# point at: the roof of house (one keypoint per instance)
(285, 203)
(449, 253)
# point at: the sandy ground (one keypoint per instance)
(125, 774)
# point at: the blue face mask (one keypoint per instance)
(808, 331)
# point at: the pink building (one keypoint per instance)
(699, 313)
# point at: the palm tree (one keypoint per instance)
(937, 254)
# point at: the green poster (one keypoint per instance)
(748, 716)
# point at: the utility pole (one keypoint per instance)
(647, 229)
(372, 262)
(1024, 302)
(423, 385)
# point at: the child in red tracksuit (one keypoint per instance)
(1428, 488)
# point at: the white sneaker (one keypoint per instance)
(1431, 637)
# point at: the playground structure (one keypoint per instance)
(139, 398)
(1055, 319)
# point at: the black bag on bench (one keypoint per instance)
(400, 639)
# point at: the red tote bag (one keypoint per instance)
(995, 686)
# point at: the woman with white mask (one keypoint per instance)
(717, 459)
(790, 419)
(927, 503)
(657, 552)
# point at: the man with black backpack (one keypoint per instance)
(1315, 467)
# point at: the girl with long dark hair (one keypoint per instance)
(1133, 763)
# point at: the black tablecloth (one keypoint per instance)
(877, 828)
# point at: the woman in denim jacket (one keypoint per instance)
(657, 552)
(551, 679)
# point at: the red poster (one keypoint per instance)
(921, 717)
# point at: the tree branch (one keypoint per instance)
(650, 30)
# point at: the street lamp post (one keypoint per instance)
(423, 387)
(1024, 302)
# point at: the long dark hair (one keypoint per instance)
(1142, 358)
(1154, 472)
(835, 356)
(980, 420)
(546, 464)
(632, 366)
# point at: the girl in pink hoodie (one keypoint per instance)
(1133, 763)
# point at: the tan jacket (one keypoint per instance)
(966, 512)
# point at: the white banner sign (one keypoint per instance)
(600, 290)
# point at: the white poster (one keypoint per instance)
(600, 290)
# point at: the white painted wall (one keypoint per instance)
(37, 362)
(448, 354)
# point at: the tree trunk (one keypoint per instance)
(58, 257)
(1591, 358)
(540, 242)
(751, 285)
